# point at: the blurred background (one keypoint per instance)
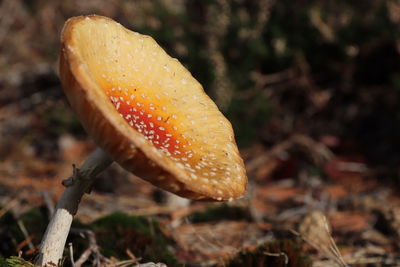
(312, 90)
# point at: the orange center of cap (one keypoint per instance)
(151, 120)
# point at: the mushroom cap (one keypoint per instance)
(147, 111)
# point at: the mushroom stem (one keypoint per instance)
(81, 182)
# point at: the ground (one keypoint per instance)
(312, 91)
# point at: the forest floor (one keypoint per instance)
(306, 204)
(314, 100)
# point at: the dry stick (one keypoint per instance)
(54, 239)
(93, 249)
(84, 257)
(318, 152)
(71, 254)
(22, 227)
(49, 203)
(8, 206)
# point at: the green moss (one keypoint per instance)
(118, 232)
(15, 262)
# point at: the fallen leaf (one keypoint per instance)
(278, 193)
(350, 222)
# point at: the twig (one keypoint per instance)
(84, 257)
(132, 256)
(318, 152)
(24, 232)
(93, 248)
(280, 254)
(71, 254)
(124, 263)
(151, 264)
(9, 205)
(49, 203)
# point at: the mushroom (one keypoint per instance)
(147, 113)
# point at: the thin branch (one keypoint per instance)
(49, 203)
(93, 249)
(71, 254)
(22, 227)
